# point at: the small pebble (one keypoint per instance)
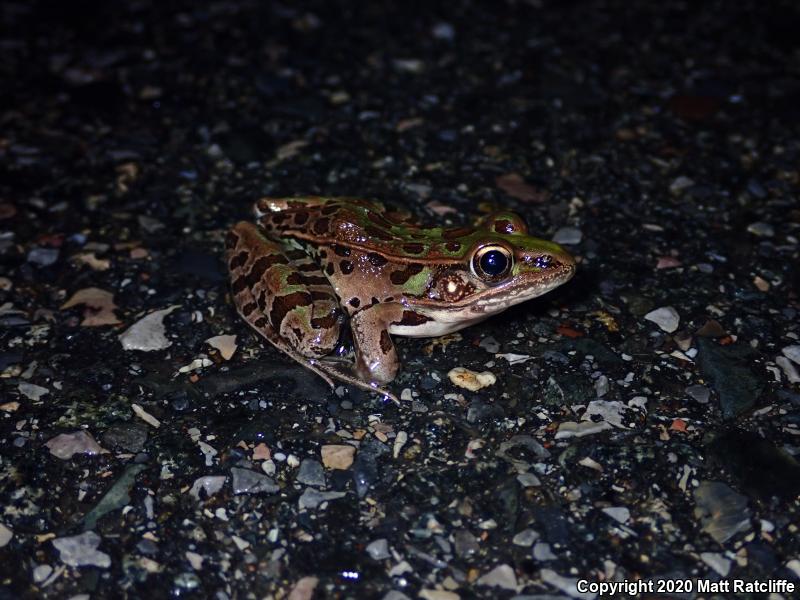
(528, 480)
(246, 481)
(312, 498)
(761, 229)
(680, 184)
(666, 317)
(788, 369)
(5, 535)
(619, 513)
(525, 538)
(718, 562)
(311, 473)
(792, 353)
(338, 456)
(210, 484)
(542, 551)
(43, 257)
(443, 31)
(378, 550)
(699, 393)
(568, 235)
(501, 576)
(148, 333)
(471, 380)
(490, 344)
(32, 391)
(81, 551)
(41, 572)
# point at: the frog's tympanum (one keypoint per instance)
(308, 263)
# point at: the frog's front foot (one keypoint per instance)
(376, 356)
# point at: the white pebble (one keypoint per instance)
(666, 317)
(568, 235)
(761, 229)
(792, 353)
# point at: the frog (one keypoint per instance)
(306, 266)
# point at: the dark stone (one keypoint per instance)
(726, 368)
(761, 468)
(126, 436)
(365, 466)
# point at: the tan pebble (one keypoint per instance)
(226, 344)
(761, 285)
(338, 456)
(261, 452)
(471, 380)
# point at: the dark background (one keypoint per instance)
(138, 132)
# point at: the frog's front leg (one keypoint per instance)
(376, 357)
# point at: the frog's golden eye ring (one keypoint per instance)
(492, 263)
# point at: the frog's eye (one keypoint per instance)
(492, 263)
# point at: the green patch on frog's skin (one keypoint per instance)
(417, 284)
(311, 261)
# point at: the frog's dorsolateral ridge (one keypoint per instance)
(308, 262)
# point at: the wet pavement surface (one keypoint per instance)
(641, 422)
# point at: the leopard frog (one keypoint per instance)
(308, 263)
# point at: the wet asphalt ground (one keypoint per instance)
(643, 422)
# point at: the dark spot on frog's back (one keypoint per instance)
(321, 226)
(413, 248)
(376, 259)
(260, 267)
(248, 308)
(329, 209)
(239, 285)
(298, 278)
(386, 342)
(346, 266)
(378, 233)
(400, 277)
(330, 269)
(341, 250)
(308, 267)
(238, 261)
(453, 246)
(355, 302)
(283, 304)
(296, 255)
(300, 218)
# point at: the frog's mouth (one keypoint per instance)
(500, 297)
(521, 289)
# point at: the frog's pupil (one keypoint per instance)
(494, 263)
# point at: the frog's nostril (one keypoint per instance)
(543, 261)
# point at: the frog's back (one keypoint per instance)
(359, 224)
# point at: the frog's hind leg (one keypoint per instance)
(283, 296)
